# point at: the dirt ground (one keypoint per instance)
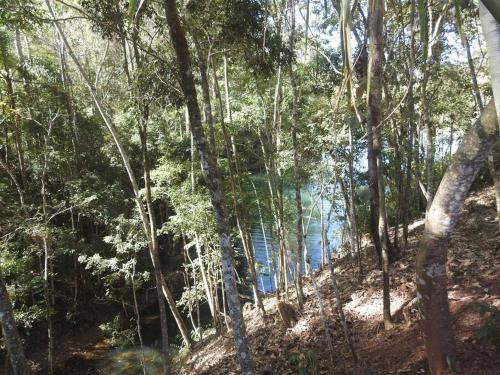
(474, 276)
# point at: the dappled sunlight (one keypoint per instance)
(299, 328)
(129, 362)
(368, 305)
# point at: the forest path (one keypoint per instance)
(474, 275)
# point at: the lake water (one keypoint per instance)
(312, 239)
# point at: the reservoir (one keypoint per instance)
(265, 242)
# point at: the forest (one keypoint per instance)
(249, 187)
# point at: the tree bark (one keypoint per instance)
(18, 141)
(375, 163)
(212, 179)
(205, 89)
(491, 31)
(240, 212)
(494, 7)
(352, 205)
(440, 221)
(138, 319)
(10, 335)
(429, 30)
(407, 196)
(142, 121)
(296, 164)
(155, 257)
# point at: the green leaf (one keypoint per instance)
(132, 6)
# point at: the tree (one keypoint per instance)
(375, 161)
(10, 334)
(432, 252)
(212, 179)
(493, 7)
(296, 164)
(491, 30)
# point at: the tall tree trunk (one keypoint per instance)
(270, 261)
(68, 100)
(470, 61)
(491, 31)
(154, 252)
(384, 241)
(270, 148)
(352, 205)
(138, 319)
(439, 224)
(494, 7)
(344, 10)
(10, 335)
(18, 142)
(213, 182)
(407, 192)
(205, 89)
(296, 163)
(142, 120)
(241, 214)
(237, 190)
(276, 172)
(429, 147)
(430, 27)
(375, 163)
(398, 174)
(47, 292)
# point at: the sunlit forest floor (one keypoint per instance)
(474, 270)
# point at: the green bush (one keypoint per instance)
(304, 362)
(489, 331)
(117, 337)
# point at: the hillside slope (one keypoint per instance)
(474, 275)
